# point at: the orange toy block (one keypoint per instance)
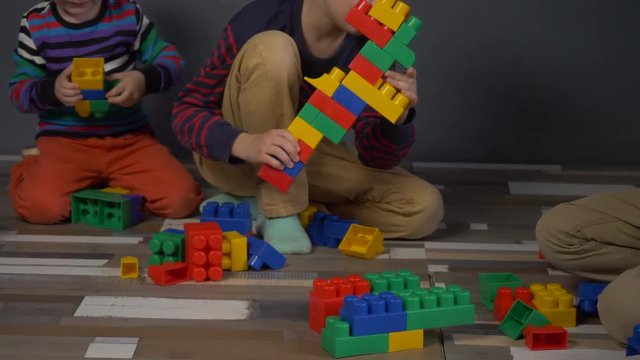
(391, 13)
(555, 303)
(362, 241)
(328, 83)
(332, 109)
(383, 97)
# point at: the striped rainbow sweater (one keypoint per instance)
(121, 34)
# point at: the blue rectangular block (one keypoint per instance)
(262, 253)
(349, 100)
(229, 216)
(374, 314)
(92, 94)
(295, 170)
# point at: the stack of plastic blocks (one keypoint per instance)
(88, 74)
(229, 216)
(106, 209)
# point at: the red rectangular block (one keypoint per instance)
(204, 250)
(359, 18)
(546, 337)
(279, 179)
(366, 69)
(305, 151)
(327, 297)
(169, 274)
(334, 110)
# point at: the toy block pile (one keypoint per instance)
(340, 98)
(88, 74)
(381, 313)
(107, 208)
(204, 250)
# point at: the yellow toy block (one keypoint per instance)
(129, 267)
(116, 190)
(307, 215)
(406, 340)
(83, 108)
(383, 97)
(88, 73)
(238, 251)
(389, 14)
(362, 241)
(305, 132)
(328, 83)
(555, 303)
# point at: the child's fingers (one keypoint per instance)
(116, 91)
(289, 148)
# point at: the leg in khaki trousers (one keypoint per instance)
(598, 237)
(262, 93)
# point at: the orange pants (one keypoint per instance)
(41, 185)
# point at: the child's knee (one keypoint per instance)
(429, 207)
(40, 206)
(178, 202)
(278, 54)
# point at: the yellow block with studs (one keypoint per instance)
(383, 97)
(555, 303)
(328, 83)
(390, 14)
(238, 250)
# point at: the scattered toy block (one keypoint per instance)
(169, 274)
(166, 247)
(555, 303)
(103, 209)
(372, 314)
(633, 342)
(204, 251)
(359, 18)
(395, 282)
(438, 307)
(406, 340)
(261, 253)
(385, 99)
(307, 215)
(366, 69)
(546, 338)
(362, 241)
(129, 267)
(229, 216)
(588, 293)
(337, 341)
(505, 298)
(328, 83)
(238, 249)
(518, 318)
(490, 282)
(327, 297)
(391, 13)
(327, 230)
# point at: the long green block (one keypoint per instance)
(329, 128)
(393, 281)
(166, 248)
(309, 113)
(400, 52)
(337, 342)
(99, 107)
(377, 56)
(408, 30)
(438, 307)
(518, 318)
(490, 282)
(103, 209)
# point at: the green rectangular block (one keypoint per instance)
(337, 341)
(408, 30)
(329, 128)
(400, 52)
(103, 209)
(518, 318)
(393, 281)
(99, 107)
(377, 56)
(490, 282)
(438, 307)
(309, 113)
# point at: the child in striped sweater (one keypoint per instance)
(118, 149)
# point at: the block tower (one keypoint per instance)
(340, 98)
(88, 74)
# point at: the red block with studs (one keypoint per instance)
(505, 299)
(366, 69)
(359, 18)
(327, 297)
(204, 251)
(547, 337)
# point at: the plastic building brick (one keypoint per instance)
(395, 282)
(555, 303)
(490, 282)
(505, 298)
(129, 267)
(238, 249)
(327, 230)
(362, 241)
(349, 100)
(169, 274)
(307, 215)
(518, 318)
(88, 73)
(377, 56)
(173, 231)
(588, 293)
(229, 216)
(102, 209)
(309, 113)
(366, 69)
(408, 31)
(275, 177)
(391, 13)
(359, 18)
(328, 83)
(116, 190)
(327, 297)
(406, 340)
(384, 99)
(305, 151)
(295, 170)
(373, 314)
(400, 52)
(546, 338)
(304, 131)
(332, 109)
(633, 342)
(438, 307)
(166, 248)
(204, 251)
(92, 94)
(337, 341)
(261, 253)
(329, 128)
(99, 107)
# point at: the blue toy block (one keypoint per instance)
(327, 230)
(295, 170)
(229, 216)
(337, 228)
(633, 343)
(137, 202)
(349, 100)
(374, 314)
(588, 293)
(173, 231)
(92, 94)
(262, 253)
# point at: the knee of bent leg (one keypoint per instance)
(278, 53)
(555, 232)
(178, 202)
(428, 208)
(42, 206)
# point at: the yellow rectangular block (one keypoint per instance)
(239, 259)
(88, 73)
(328, 83)
(386, 100)
(116, 190)
(555, 303)
(389, 14)
(406, 340)
(362, 241)
(305, 132)
(129, 267)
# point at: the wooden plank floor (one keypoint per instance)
(40, 294)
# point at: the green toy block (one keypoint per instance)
(400, 52)
(377, 56)
(309, 113)
(393, 281)
(99, 107)
(329, 128)
(490, 282)
(518, 318)
(438, 307)
(408, 30)
(166, 248)
(337, 342)
(103, 209)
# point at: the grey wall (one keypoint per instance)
(500, 80)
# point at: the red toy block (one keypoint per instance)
(169, 273)
(279, 179)
(327, 297)
(332, 109)
(204, 250)
(305, 151)
(504, 300)
(547, 337)
(359, 18)
(366, 69)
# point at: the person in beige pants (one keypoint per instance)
(598, 238)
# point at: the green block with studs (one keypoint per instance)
(438, 307)
(166, 248)
(393, 281)
(337, 341)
